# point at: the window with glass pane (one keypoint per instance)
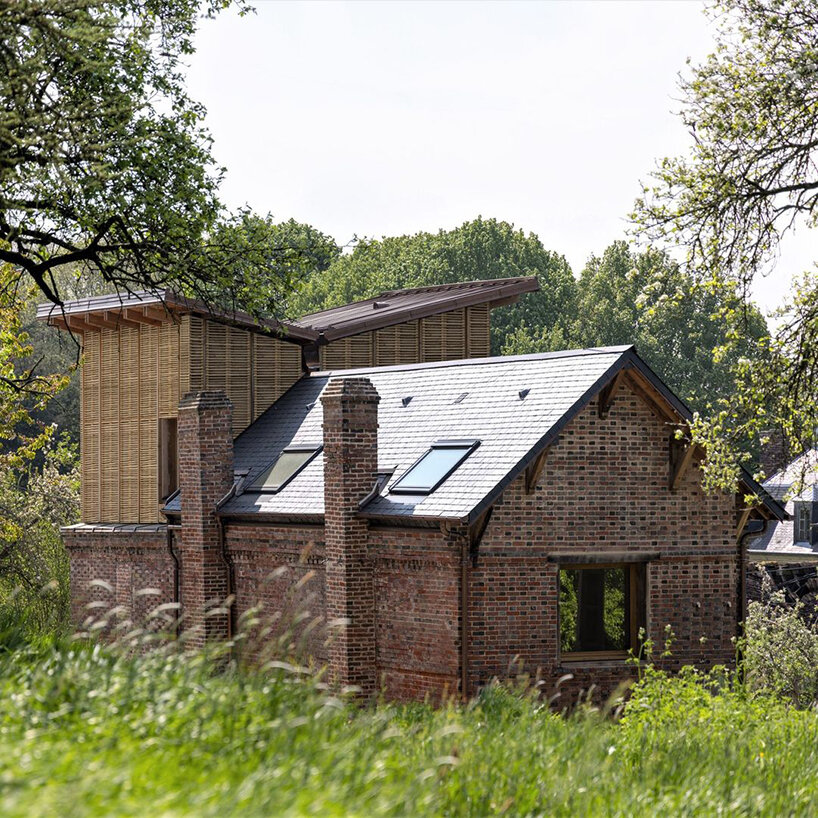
(600, 608)
(284, 469)
(434, 467)
(801, 528)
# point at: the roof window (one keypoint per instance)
(434, 466)
(284, 468)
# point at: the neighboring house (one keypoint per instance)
(463, 517)
(788, 549)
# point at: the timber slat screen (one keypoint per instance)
(133, 378)
(449, 336)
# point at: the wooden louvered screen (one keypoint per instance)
(195, 343)
(133, 380)
(478, 340)
(348, 353)
(239, 381)
(443, 337)
(109, 426)
(129, 415)
(149, 376)
(276, 367)
(90, 417)
(397, 344)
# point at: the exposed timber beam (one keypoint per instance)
(642, 388)
(534, 470)
(607, 395)
(743, 516)
(681, 456)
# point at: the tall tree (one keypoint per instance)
(479, 249)
(105, 161)
(752, 110)
(647, 299)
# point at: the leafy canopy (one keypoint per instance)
(479, 249)
(752, 110)
(105, 162)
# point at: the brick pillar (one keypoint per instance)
(205, 445)
(350, 469)
(773, 453)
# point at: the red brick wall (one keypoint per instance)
(205, 477)
(127, 560)
(350, 468)
(280, 569)
(417, 614)
(604, 487)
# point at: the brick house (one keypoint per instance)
(461, 516)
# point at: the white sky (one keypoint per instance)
(385, 118)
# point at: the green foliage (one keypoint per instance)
(646, 299)
(749, 178)
(106, 166)
(92, 730)
(34, 502)
(781, 650)
(480, 249)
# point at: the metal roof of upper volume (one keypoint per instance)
(386, 309)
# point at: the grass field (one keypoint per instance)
(88, 730)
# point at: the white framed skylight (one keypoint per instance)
(284, 468)
(436, 464)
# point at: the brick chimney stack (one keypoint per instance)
(773, 453)
(205, 445)
(350, 470)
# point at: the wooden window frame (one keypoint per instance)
(636, 618)
(802, 510)
(168, 459)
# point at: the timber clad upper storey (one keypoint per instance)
(143, 352)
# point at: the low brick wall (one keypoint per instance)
(129, 559)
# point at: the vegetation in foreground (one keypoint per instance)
(95, 730)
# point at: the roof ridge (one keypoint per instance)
(454, 285)
(495, 359)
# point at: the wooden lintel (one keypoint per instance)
(680, 459)
(743, 516)
(607, 395)
(534, 470)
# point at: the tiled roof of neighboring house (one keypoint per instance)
(796, 482)
(515, 406)
(396, 306)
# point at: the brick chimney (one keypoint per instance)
(350, 470)
(205, 475)
(773, 453)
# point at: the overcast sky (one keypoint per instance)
(385, 118)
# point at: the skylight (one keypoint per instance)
(284, 468)
(434, 467)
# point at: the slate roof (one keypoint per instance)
(512, 430)
(396, 306)
(798, 481)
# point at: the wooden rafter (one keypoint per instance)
(100, 321)
(743, 516)
(534, 470)
(641, 387)
(607, 395)
(681, 456)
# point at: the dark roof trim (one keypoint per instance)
(332, 325)
(629, 360)
(172, 303)
(785, 557)
(491, 361)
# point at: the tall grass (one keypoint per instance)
(89, 729)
